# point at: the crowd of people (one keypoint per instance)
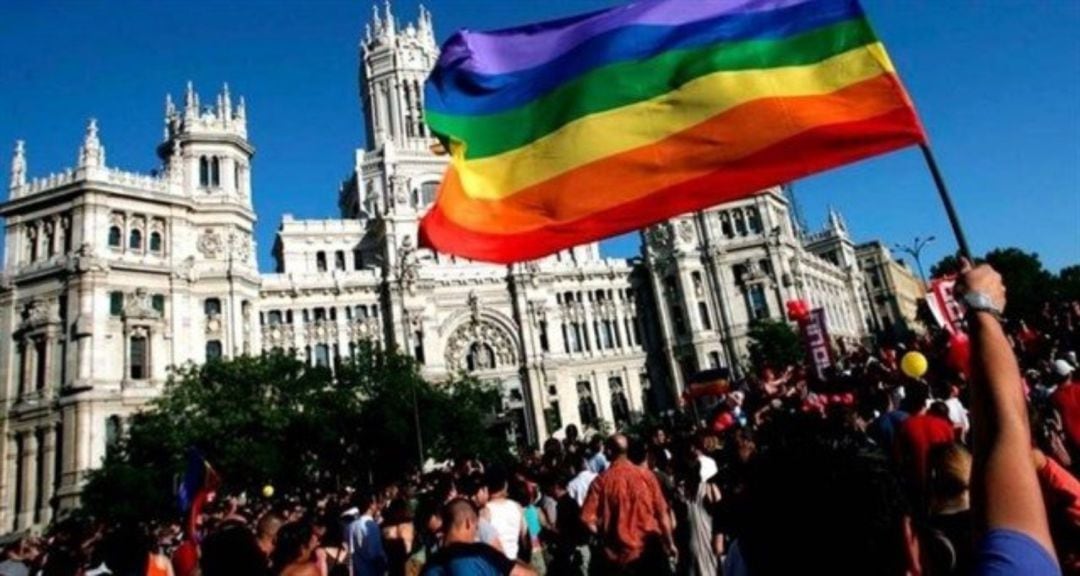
(966, 470)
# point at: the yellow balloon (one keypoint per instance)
(914, 364)
(268, 491)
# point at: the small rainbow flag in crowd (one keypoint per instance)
(570, 131)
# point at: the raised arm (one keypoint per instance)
(1005, 488)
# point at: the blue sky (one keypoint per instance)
(996, 83)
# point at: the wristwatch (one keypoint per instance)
(981, 302)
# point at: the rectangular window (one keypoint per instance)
(116, 303)
(418, 346)
(339, 260)
(41, 351)
(274, 317)
(358, 260)
(320, 261)
(544, 347)
(158, 303)
(678, 320)
(552, 417)
(322, 355)
(138, 357)
(703, 312)
(759, 306)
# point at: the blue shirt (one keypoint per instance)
(598, 463)
(1008, 552)
(468, 560)
(364, 540)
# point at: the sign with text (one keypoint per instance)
(816, 338)
(944, 306)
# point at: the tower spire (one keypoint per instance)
(92, 153)
(18, 165)
(391, 27)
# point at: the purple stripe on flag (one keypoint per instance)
(524, 47)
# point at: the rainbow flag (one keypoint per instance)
(570, 131)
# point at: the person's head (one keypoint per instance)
(616, 446)
(1063, 371)
(295, 543)
(232, 549)
(950, 475)
(474, 488)
(813, 476)
(659, 437)
(459, 521)
(940, 410)
(366, 502)
(915, 397)
(266, 530)
(497, 482)
(63, 561)
(571, 433)
(596, 444)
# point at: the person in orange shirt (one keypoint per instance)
(627, 510)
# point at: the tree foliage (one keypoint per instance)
(774, 343)
(1030, 286)
(274, 420)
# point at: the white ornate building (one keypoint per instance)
(111, 278)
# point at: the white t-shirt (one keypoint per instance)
(958, 415)
(506, 517)
(578, 488)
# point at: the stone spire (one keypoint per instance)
(426, 28)
(227, 102)
(170, 108)
(391, 27)
(18, 165)
(92, 153)
(191, 105)
(376, 20)
(241, 110)
(836, 221)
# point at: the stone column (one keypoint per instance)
(9, 508)
(48, 470)
(29, 480)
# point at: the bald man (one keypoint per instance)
(627, 510)
(461, 554)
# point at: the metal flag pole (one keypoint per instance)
(950, 210)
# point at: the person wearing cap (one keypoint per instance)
(1066, 400)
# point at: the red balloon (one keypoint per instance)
(959, 355)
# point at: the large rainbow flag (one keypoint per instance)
(570, 131)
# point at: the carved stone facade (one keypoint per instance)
(110, 278)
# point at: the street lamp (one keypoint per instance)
(915, 249)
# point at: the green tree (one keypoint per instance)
(774, 343)
(1028, 285)
(948, 265)
(274, 419)
(1068, 284)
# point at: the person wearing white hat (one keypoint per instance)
(1066, 400)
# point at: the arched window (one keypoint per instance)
(212, 306)
(31, 244)
(213, 350)
(725, 225)
(135, 240)
(586, 404)
(740, 223)
(620, 405)
(320, 261)
(155, 241)
(116, 237)
(339, 260)
(114, 427)
(204, 171)
(754, 220)
(481, 357)
(215, 171)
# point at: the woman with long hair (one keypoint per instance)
(294, 550)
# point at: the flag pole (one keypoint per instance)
(950, 210)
